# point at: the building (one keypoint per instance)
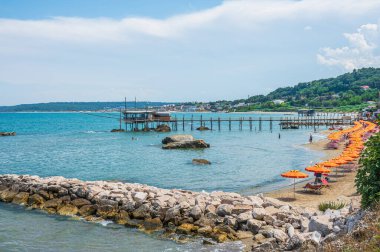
(278, 102)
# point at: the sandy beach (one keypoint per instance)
(342, 186)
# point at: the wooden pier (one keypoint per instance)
(191, 123)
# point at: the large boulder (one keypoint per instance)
(258, 213)
(178, 138)
(321, 224)
(195, 144)
(21, 198)
(68, 210)
(7, 195)
(224, 209)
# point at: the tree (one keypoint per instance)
(368, 177)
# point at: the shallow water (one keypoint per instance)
(81, 146)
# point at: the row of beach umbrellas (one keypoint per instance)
(351, 152)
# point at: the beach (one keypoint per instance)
(342, 187)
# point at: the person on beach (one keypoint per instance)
(279, 136)
(310, 138)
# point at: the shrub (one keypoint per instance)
(331, 205)
(368, 177)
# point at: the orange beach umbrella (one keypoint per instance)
(294, 174)
(317, 169)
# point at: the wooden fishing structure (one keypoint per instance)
(145, 120)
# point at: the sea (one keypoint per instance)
(80, 145)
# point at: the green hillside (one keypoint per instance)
(345, 92)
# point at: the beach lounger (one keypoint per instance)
(317, 188)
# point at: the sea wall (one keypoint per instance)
(219, 216)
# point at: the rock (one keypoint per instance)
(118, 130)
(152, 225)
(258, 213)
(269, 219)
(200, 162)
(224, 209)
(80, 202)
(21, 198)
(53, 203)
(313, 236)
(291, 231)
(280, 235)
(196, 144)
(305, 225)
(44, 194)
(172, 213)
(163, 128)
(295, 242)
(142, 212)
(7, 134)
(196, 212)
(329, 238)
(205, 231)
(244, 235)
(241, 208)
(87, 210)
(336, 229)
(186, 228)
(254, 225)
(273, 202)
(266, 245)
(219, 237)
(106, 211)
(321, 224)
(36, 201)
(256, 201)
(122, 217)
(139, 196)
(210, 209)
(134, 223)
(7, 195)
(332, 214)
(244, 217)
(208, 242)
(177, 138)
(68, 210)
(202, 128)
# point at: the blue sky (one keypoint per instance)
(182, 50)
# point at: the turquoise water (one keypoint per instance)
(81, 146)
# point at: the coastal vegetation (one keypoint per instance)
(367, 178)
(331, 205)
(348, 92)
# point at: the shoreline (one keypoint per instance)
(342, 187)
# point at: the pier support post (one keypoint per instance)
(219, 123)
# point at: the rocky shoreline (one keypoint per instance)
(268, 223)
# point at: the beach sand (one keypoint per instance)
(342, 187)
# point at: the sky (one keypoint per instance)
(178, 50)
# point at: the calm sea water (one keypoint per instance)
(81, 146)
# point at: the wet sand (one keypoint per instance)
(342, 186)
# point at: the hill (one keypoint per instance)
(350, 90)
(77, 106)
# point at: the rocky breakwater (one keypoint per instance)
(265, 223)
(183, 142)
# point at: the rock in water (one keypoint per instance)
(178, 138)
(163, 128)
(202, 128)
(118, 130)
(7, 133)
(196, 144)
(201, 161)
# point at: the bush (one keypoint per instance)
(331, 205)
(368, 177)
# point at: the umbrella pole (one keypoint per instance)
(294, 188)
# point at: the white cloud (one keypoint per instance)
(362, 50)
(239, 13)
